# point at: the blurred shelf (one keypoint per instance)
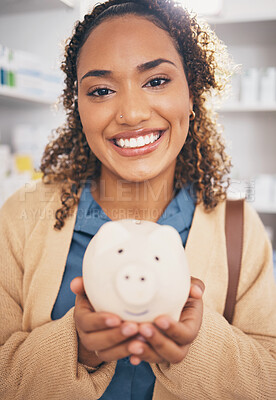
(68, 3)
(24, 6)
(10, 97)
(239, 19)
(265, 208)
(239, 107)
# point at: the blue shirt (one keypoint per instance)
(129, 382)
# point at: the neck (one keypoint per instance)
(145, 200)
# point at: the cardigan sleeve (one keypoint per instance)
(40, 364)
(233, 361)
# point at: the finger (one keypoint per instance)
(138, 351)
(108, 338)
(197, 288)
(134, 360)
(89, 321)
(82, 304)
(185, 330)
(115, 352)
(77, 286)
(163, 346)
(182, 332)
(119, 344)
(142, 351)
(192, 312)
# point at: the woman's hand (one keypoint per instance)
(169, 340)
(102, 336)
(105, 337)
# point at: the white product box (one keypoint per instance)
(5, 160)
(268, 85)
(250, 86)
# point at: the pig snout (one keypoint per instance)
(135, 285)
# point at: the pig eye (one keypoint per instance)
(156, 258)
(120, 251)
(142, 278)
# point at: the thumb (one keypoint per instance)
(197, 288)
(77, 286)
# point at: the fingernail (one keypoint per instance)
(129, 330)
(137, 350)
(141, 338)
(163, 324)
(146, 331)
(134, 360)
(198, 289)
(111, 322)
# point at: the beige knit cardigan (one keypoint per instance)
(38, 358)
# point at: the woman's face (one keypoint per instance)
(133, 98)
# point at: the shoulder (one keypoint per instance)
(30, 203)
(257, 248)
(256, 259)
(251, 217)
(32, 194)
(255, 238)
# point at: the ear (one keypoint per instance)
(110, 235)
(191, 102)
(166, 234)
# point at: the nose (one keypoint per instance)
(134, 107)
(135, 285)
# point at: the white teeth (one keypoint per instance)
(137, 142)
(121, 143)
(132, 142)
(141, 141)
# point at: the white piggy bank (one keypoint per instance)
(137, 270)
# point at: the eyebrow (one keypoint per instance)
(152, 64)
(141, 68)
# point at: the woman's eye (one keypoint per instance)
(100, 92)
(157, 82)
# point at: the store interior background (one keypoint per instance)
(32, 37)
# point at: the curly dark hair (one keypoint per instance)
(202, 162)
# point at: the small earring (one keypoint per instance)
(192, 115)
(121, 116)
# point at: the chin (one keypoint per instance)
(138, 177)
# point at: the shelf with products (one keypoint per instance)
(261, 208)
(25, 79)
(240, 19)
(265, 208)
(19, 6)
(12, 97)
(249, 30)
(258, 190)
(240, 107)
(240, 11)
(21, 158)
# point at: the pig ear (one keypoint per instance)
(110, 235)
(165, 233)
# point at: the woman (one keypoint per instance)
(139, 142)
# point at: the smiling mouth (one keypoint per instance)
(140, 141)
(136, 314)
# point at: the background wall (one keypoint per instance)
(42, 33)
(249, 30)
